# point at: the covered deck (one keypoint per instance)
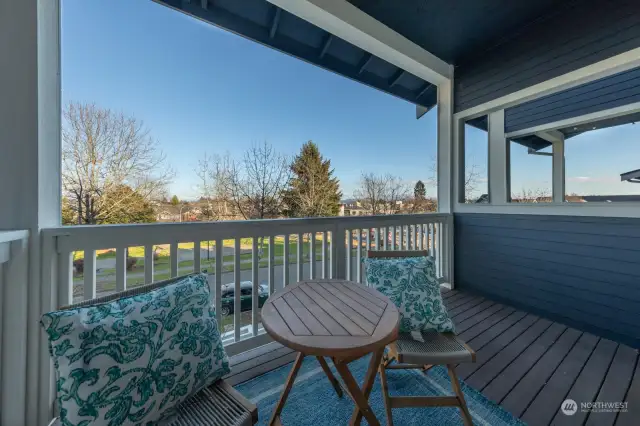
(526, 363)
(548, 294)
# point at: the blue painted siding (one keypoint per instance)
(583, 271)
(606, 93)
(582, 33)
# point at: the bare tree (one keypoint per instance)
(471, 180)
(538, 195)
(255, 184)
(472, 177)
(102, 152)
(214, 171)
(382, 194)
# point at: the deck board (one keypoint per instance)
(521, 395)
(526, 363)
(587, 385)
(615, 385)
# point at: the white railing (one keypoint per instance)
(269, 253)
(14, 263)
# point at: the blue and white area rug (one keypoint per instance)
(313, 400)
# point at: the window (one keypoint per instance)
(531, 171)
(602, 161)
(245, 292)
(475, 184)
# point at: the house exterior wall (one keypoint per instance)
(582, 271)
(599, 95)
(576, 35)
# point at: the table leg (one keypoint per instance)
(330, 376)
(361, 396)
(275, 417)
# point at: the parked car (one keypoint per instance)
(246, 300)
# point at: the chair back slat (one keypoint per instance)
(127, 293)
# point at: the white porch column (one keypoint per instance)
(498, 159)
(558, 169)
(29, 183)
(445, 147)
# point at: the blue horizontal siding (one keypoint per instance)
(580, 34)
(582, 271)
(606, 93)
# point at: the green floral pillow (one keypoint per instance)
(411, 284)
(132, 360)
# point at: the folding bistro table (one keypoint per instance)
(339, 319)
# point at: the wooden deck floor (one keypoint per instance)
(527, 364)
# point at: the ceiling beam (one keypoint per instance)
(423, 90)
(365, 62)
(396, 77)
(344, 20)
(325, 45)
(275, 22)
(551, 136)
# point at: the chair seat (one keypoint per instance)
(219, 404)
(437, 348)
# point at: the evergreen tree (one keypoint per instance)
(175, 200)
(419, 191)
(313, 190)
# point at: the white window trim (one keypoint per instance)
(498, 203)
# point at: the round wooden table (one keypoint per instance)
(339, 319)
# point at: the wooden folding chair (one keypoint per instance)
(435, 349)
(219, 404)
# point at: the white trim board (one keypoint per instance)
(344, 20)
(579, 120)
(622, 209)
(595, 71)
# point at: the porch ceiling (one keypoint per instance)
(457, 31)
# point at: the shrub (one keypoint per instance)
(78, 265)
(131, 263)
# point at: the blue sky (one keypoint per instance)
(200, 89)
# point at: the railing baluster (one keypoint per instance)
(121, 269)
(401, 242)
(218, 287)
(325, 264)
(300, 257)
(285, 265)
(272, 263)
(359, 257)
(312, 256)
(89, 268)
(432, 248)
(418, 235)
(384, 236)
(65, 275)
(393, 237)
(197, 267)
(350, 254)
(174, 259)
(254, 291)
(148, 264)
(237, 303)
(440, 249)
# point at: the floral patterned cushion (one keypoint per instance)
(132, 360)
(411, 284)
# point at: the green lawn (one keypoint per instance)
(163, 250)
